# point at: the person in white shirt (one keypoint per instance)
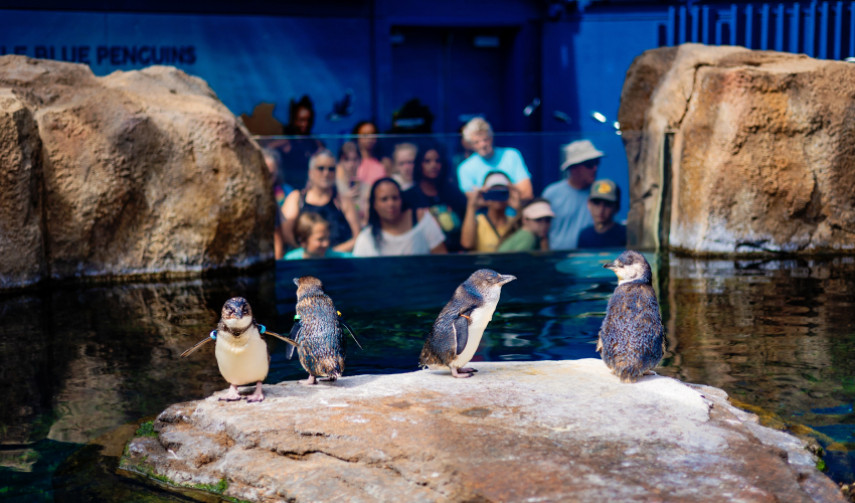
(393, 230)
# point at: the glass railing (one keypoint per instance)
(540, 152)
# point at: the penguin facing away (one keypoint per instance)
(457, 331)
(320, 342)
(241, 352)
(632, 338)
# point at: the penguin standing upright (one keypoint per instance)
(318, 334)
(241, 352)
(632, 338)
(457, 331)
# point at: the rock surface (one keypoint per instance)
(524, 431)
(132, 173)
(739, 151)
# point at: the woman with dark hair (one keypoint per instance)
(434, 188)
(393, 230)
(320, 196)
(301, 116)
(300, 146)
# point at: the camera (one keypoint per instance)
(496, 194)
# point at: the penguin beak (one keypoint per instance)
(506, 278)
(609, 265)
(296, 281)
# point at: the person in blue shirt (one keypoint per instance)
(486, 158)
(568, 197)
(603, 203)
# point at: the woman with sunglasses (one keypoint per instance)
(320, 196)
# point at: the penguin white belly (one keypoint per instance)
(480, 316)
(243, 364)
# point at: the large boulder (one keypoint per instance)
(738, 151)
(521, 431)
(133, 173)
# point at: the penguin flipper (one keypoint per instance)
(461, 331)
(349, 330)
(196, 346)
(281, 338)
(295, 335)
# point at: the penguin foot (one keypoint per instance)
(257, 395)
(232, 395)
(459, 374)
(310, 381)
(467, 370)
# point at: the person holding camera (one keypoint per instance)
(482, 230)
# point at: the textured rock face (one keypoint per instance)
(136, 172)
(542, 431)
(737, 151)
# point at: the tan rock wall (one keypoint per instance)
(21, 230)
(141, 172)
(760, 151)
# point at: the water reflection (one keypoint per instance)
(78, 363)
(776, 334)
(75, 363)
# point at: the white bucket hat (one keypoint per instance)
(579, 152)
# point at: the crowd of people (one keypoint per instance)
(360, 203)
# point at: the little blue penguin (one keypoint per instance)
(318, 334)
(457, 331)
(632, 338)
(241, 352)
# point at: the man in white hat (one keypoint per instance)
(569, 197)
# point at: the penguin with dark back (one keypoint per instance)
(317, 332)
(632, 338)
(457, 331)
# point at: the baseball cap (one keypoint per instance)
(578, 152)
(606, 190)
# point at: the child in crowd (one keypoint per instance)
(530, 230)
(313, 235)
(603, 203)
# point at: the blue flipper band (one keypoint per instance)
(296, 316)
(261, 328)
(213, 334)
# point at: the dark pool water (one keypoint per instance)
(81, 366)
